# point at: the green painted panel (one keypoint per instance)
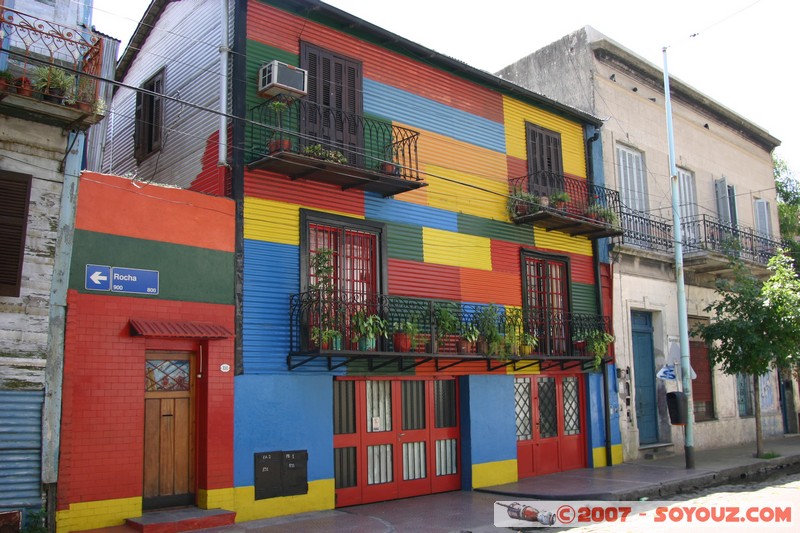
(583, 299)
(494, 229)
(186, 273)
(405, 242)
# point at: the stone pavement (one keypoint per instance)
(473, 511)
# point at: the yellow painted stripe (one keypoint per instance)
(599, 456)
(94, 515)
(444, 152)
(572, 144)
(320, 497)
(216, 499)
(272, 221)
(458, 196)
(456, 249)
(556, 240)
(496, 473)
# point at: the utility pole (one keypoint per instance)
(683, 320)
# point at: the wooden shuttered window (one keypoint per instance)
(632, 178)
(15, 192)
(149, 124)
(702, 386)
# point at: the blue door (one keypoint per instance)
(644, 376)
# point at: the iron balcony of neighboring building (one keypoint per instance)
(305, 140)
(645, 231)
(327, 332)
(710, 245)
(54, 71)
(557, 202)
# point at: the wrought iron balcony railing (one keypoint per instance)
(709, 234)
(646, 231)
(340, 324)
(54, 63)
(558, 202)
(306, 140)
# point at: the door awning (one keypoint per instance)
(178, 329)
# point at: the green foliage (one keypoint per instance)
(367, 326)
(486, 320)
(447, 323)
(470, 333)
(35, 521)
(606, 214)
(409, 326)
(522, 201)
(597, 342)
(756, 324)
(788, 188)
(51, 77)
(320, 152)
(558, 197)
(6, 75)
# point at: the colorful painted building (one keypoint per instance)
(418, 285)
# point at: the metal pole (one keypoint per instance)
(683, 321)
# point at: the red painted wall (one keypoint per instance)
(102, 431)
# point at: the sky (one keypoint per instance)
(740, 53)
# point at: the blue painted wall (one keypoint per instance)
(595, 411)
(488, 421)
(283, 412)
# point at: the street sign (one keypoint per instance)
(134, 280)
(121, 279)
(98, 278)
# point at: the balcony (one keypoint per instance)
(710, 244)
(557, 202)
(53, 71)
(304, 140)
(411, 331)
(645, 231)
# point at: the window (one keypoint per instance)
(702, 386)
(744, 394)
(632, 182)
(148, 132)
(546, 301)
(335, 100)
(688, 208)
(15, 192)
(545, 169)
(725, 195)
(762, 217)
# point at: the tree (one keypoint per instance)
(755, 325)
(788, 188)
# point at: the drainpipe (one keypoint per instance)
(54, 366)
(599, 302)
(223, 96)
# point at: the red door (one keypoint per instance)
(550, 432)
(394, 438)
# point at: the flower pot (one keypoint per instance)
(482, 347)
(83, 107)
(401, 342)
(463, 346)
(55, 96)
(280, 145)
(24, 87)
(390, 168)
(524, 349)
(366, 344)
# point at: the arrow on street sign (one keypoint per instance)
(98, 278)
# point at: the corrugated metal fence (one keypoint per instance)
(20, 449)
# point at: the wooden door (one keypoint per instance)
(169, 465)
(644, 377)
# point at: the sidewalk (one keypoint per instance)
(472, 511)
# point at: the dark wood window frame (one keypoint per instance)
(14, 204)
(703, 393)
(547, 339)
(149, 121)
(544, 150)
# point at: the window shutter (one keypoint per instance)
(139, 125)
(723, 203)
(688, 194)
(15, 191)
(632, 179)
(158, 111)
(763, 222)
(702, 388)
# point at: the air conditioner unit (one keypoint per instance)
(279, 78)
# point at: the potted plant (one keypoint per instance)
(528, 342)
(446, 322)
(489, 333)
(366, 330)
(326, 338)
(559, 199)
(597, 342)
(6, 80)
(320, 152)
(280, 143)
(404, 336)
(521, 203)
(513, 330)
(469, 335)
(24, 86)
(85, 97)
(600, 212)
(321, 294)
(53, 82)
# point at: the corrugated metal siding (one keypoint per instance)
(283, 30)
(466, 193)
(459, 156)
(583, 298)
(321, 196)
(555, 240)
(404, 241)
(398, 210)
(506, 257)
(423, 114)
(456, 249)
(491, 287)
(572, 144)
(20, 449)
(494, 229)
(423, 280)
(271, 274)
(191, 32)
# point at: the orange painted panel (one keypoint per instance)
(154, 212)
(516, 167)
(424, 280)
(491, 287)
(581, 266)
(283, 30)
(272, 186)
